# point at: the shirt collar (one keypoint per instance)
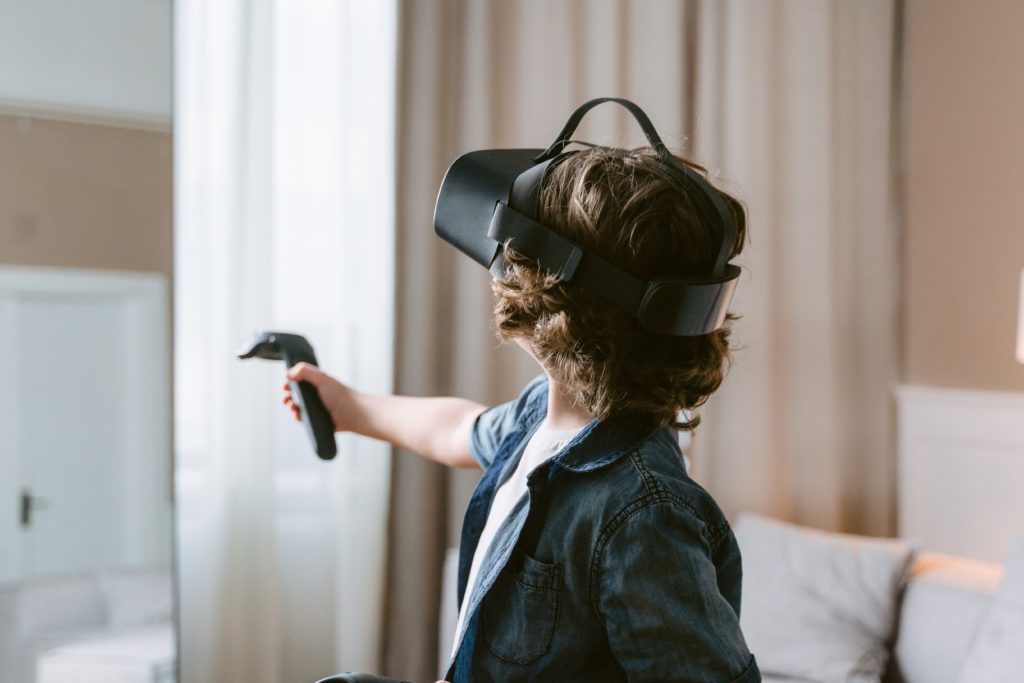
(598, 444)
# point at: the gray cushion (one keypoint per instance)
(946, 599)
(819, 606)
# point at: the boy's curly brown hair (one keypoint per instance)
(623, 206)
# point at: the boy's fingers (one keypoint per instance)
(304, 372)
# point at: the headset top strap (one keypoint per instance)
(565, 137)
(708, 200)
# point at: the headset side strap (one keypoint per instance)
(568, 260)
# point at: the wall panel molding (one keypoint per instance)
(961, 469)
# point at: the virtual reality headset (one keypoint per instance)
(489, 201)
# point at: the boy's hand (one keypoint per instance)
(436, 428)
(336, 397)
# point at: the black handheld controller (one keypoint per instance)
(292, 349)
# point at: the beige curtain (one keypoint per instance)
(475, 74)
(795, 103)
(791, 101)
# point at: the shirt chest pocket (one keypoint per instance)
(517, 618)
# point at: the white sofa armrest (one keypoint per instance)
(942, 607)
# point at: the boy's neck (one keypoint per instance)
(563, 413)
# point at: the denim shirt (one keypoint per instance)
(615, 566)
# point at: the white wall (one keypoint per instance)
(961, 469)
(101, 58)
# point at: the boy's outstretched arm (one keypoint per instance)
(436, 428)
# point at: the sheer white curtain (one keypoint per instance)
(284, 219)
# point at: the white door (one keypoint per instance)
(83, 422)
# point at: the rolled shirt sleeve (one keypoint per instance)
(659, 598)
(492, 426)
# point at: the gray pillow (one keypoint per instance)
(997, 654)
(817, 605)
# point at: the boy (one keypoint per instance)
(587, 552)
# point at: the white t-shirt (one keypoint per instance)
(544, 443)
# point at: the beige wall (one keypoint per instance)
(84, 195)
(964, 192)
